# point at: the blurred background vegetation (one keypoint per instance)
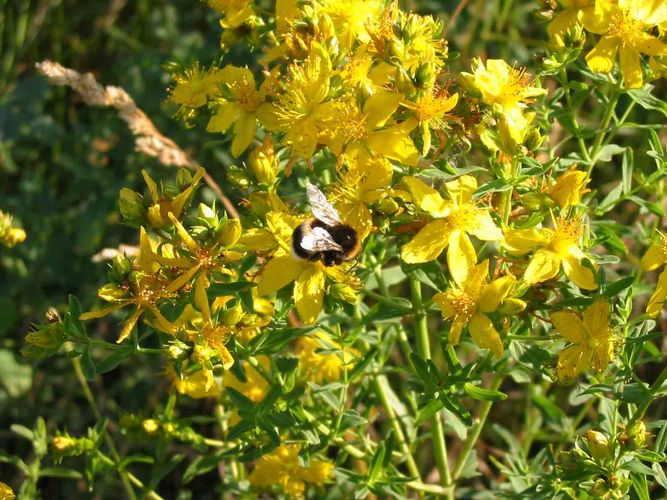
(62, 164)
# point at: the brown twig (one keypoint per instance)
(459, 8)
(148, 138)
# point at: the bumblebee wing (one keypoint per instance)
(319, 240)
(320, 206)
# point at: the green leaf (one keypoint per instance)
(113, 360)
(549, 408)
(272, 341)
(201, 465)
(361, 365)
(606, 153)
(23, 431)
(159, 471)
(60, 472)
(483, 394)
(640, 485)
(626, 170)
(634, 393)
(87, 365)
(218, 289)
(72, 323)
(613, 289)
(428, 411)
(239, 400)
(376, 464)
(659, 475)
(648, 101)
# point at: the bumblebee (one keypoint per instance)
(324, 236)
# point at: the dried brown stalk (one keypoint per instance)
(148, 139)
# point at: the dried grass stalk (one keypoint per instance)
(148, 139)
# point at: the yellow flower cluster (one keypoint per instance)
(9, 235)
(626, 28)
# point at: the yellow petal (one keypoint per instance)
(601, 355)
(183, 234)
(461, 190)
(244, 133)
(427, 243)
(633, 78)
(496, 291)
(161, 323)
(426, 198)
(183, 279)
(658, 298)
(278, 272)
(461, 257)
(455, 330)
(226, 114)
(201, 299)
(309, 293)
(483, 227)
(129, 324)
(654, 258)
(485, 335)
(581, 276)
(569, 326)
(543, 266)
(650, 45)
(395, 144)
(596, 318)
(571, 362)
(522, 241)
(101, 313)
(601, 58)
(152, 186)
(379, 108)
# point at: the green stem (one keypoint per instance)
(471, 440)
(604, 126)
(222, 424)
(565, 84)
(76, 362)
(381, 383)
(424, 348)
(130, 477)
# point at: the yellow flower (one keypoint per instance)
(264, 162)
(302, 109)
(565, 19)
(624, 26)
(553, 248)
(569, 188)
(430, 110)
(591, 337)
(282, 468)
(238, 106)
(9, 236)
(655, 257)
(351, 18)
(309, 278)
(455, 219)
(235, 12)
(364, 183)
(369, 131)
(507, 89)
(421, 44)
(197, 385)
(323, 367)
(6, 493)
(195, 86)
(469, 302)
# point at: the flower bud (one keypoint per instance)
(6, 493)
(183, 178)
(121, 268)
(403, 82)
(150, 425)
(635, 436)
(263, 162)
(511, 306)
(233, 315)
(228, 232)
(388, 206)
(131, 206)
(344, 292)
(598, 444)
(238, 177)
(62, 443)
(50, 336)
(207, 213)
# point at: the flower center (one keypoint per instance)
(626, 28)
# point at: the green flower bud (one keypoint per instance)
(343, 292)
(598, 444)
(131, 206)
(120, 268)
(238, 177)
(511, 306)
(228, 232)
(403, 82)
(183, 178)
(233, 315)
